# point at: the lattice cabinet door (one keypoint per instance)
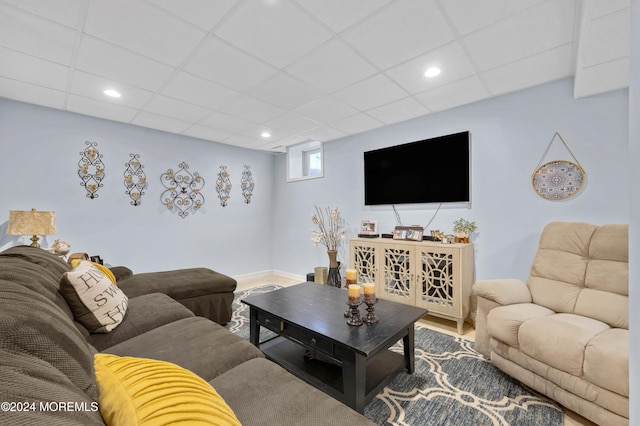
(363, 258)
(397, 279)
(443, 280)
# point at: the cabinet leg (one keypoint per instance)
(460, 326)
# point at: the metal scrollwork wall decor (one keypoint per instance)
(91, 169)
(223, 186)
(135, 180)
(247, 184)
(184, 190)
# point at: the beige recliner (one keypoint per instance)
(565, 333)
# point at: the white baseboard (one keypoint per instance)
(260, 274)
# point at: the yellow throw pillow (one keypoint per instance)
(140, 391)
(106, 271)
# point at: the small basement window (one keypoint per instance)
(304, 161)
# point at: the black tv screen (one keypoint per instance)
(435, 170)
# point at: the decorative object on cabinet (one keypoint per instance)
(91, 169)
(329, 233)
(247, 184)
(427, 274)
(60, 248)
(184, 190)
(32, 222)
(558, 179)
(135, 180)
(368, 228)
(463, 229)
(413, 233)
(223, 186)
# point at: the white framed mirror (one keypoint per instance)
(305, 161)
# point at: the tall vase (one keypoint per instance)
(333, 277)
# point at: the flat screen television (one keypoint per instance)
(435, 170)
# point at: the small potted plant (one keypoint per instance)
(463, 228)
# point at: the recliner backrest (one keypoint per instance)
(583, 269)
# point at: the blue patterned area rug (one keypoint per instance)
(452, 384)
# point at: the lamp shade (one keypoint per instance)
(31, 223)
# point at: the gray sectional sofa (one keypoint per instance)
(47, 373)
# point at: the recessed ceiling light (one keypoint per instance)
(265, 135)
(112, 93)
(432, 72)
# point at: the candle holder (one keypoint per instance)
(354, 315)
(370, 318)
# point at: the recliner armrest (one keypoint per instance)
(504, 291)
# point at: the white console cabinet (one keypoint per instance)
(428, 274)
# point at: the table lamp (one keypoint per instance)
(32, 223)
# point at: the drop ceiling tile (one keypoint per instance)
(468, 16)
(332, 66)
(322, 133)
(285, 92)
(35, 36)
(602, 78)
(160, 122)
(357, 123)
(205, 14)
(94, 108)
(244, 141)
(276, 31)
(397, 111)
(542, 27)
(252, 109)
(169, 107)
(372, 92)
(390, 37)
(104, 59)
(65, 12)
(93, 86)
(326, 110)
(339, 14)
(292, 123)
(207, 133)
(195, 90)
(143, 29)
(226, 122)
(30, 93)
(605, 39)
(224, 64)
(597, 8)
(451, 59)
(455, 94)
(547, 66)
(26, 68)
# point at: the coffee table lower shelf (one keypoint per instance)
(326, 376)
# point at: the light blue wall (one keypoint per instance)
(39, 154)
(509, 136)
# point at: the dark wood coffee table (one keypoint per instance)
(356, 361)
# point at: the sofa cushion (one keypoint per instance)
(149, 392)
(196, 343)
(279, 398)
(503, 323)
(46, 394)
(606, 361)
(559, 340)
(179, 284)
(96, 302)
(144, 313)
(31, 325)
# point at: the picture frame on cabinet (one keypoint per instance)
(369, 227)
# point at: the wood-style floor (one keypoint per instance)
(439, 324)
